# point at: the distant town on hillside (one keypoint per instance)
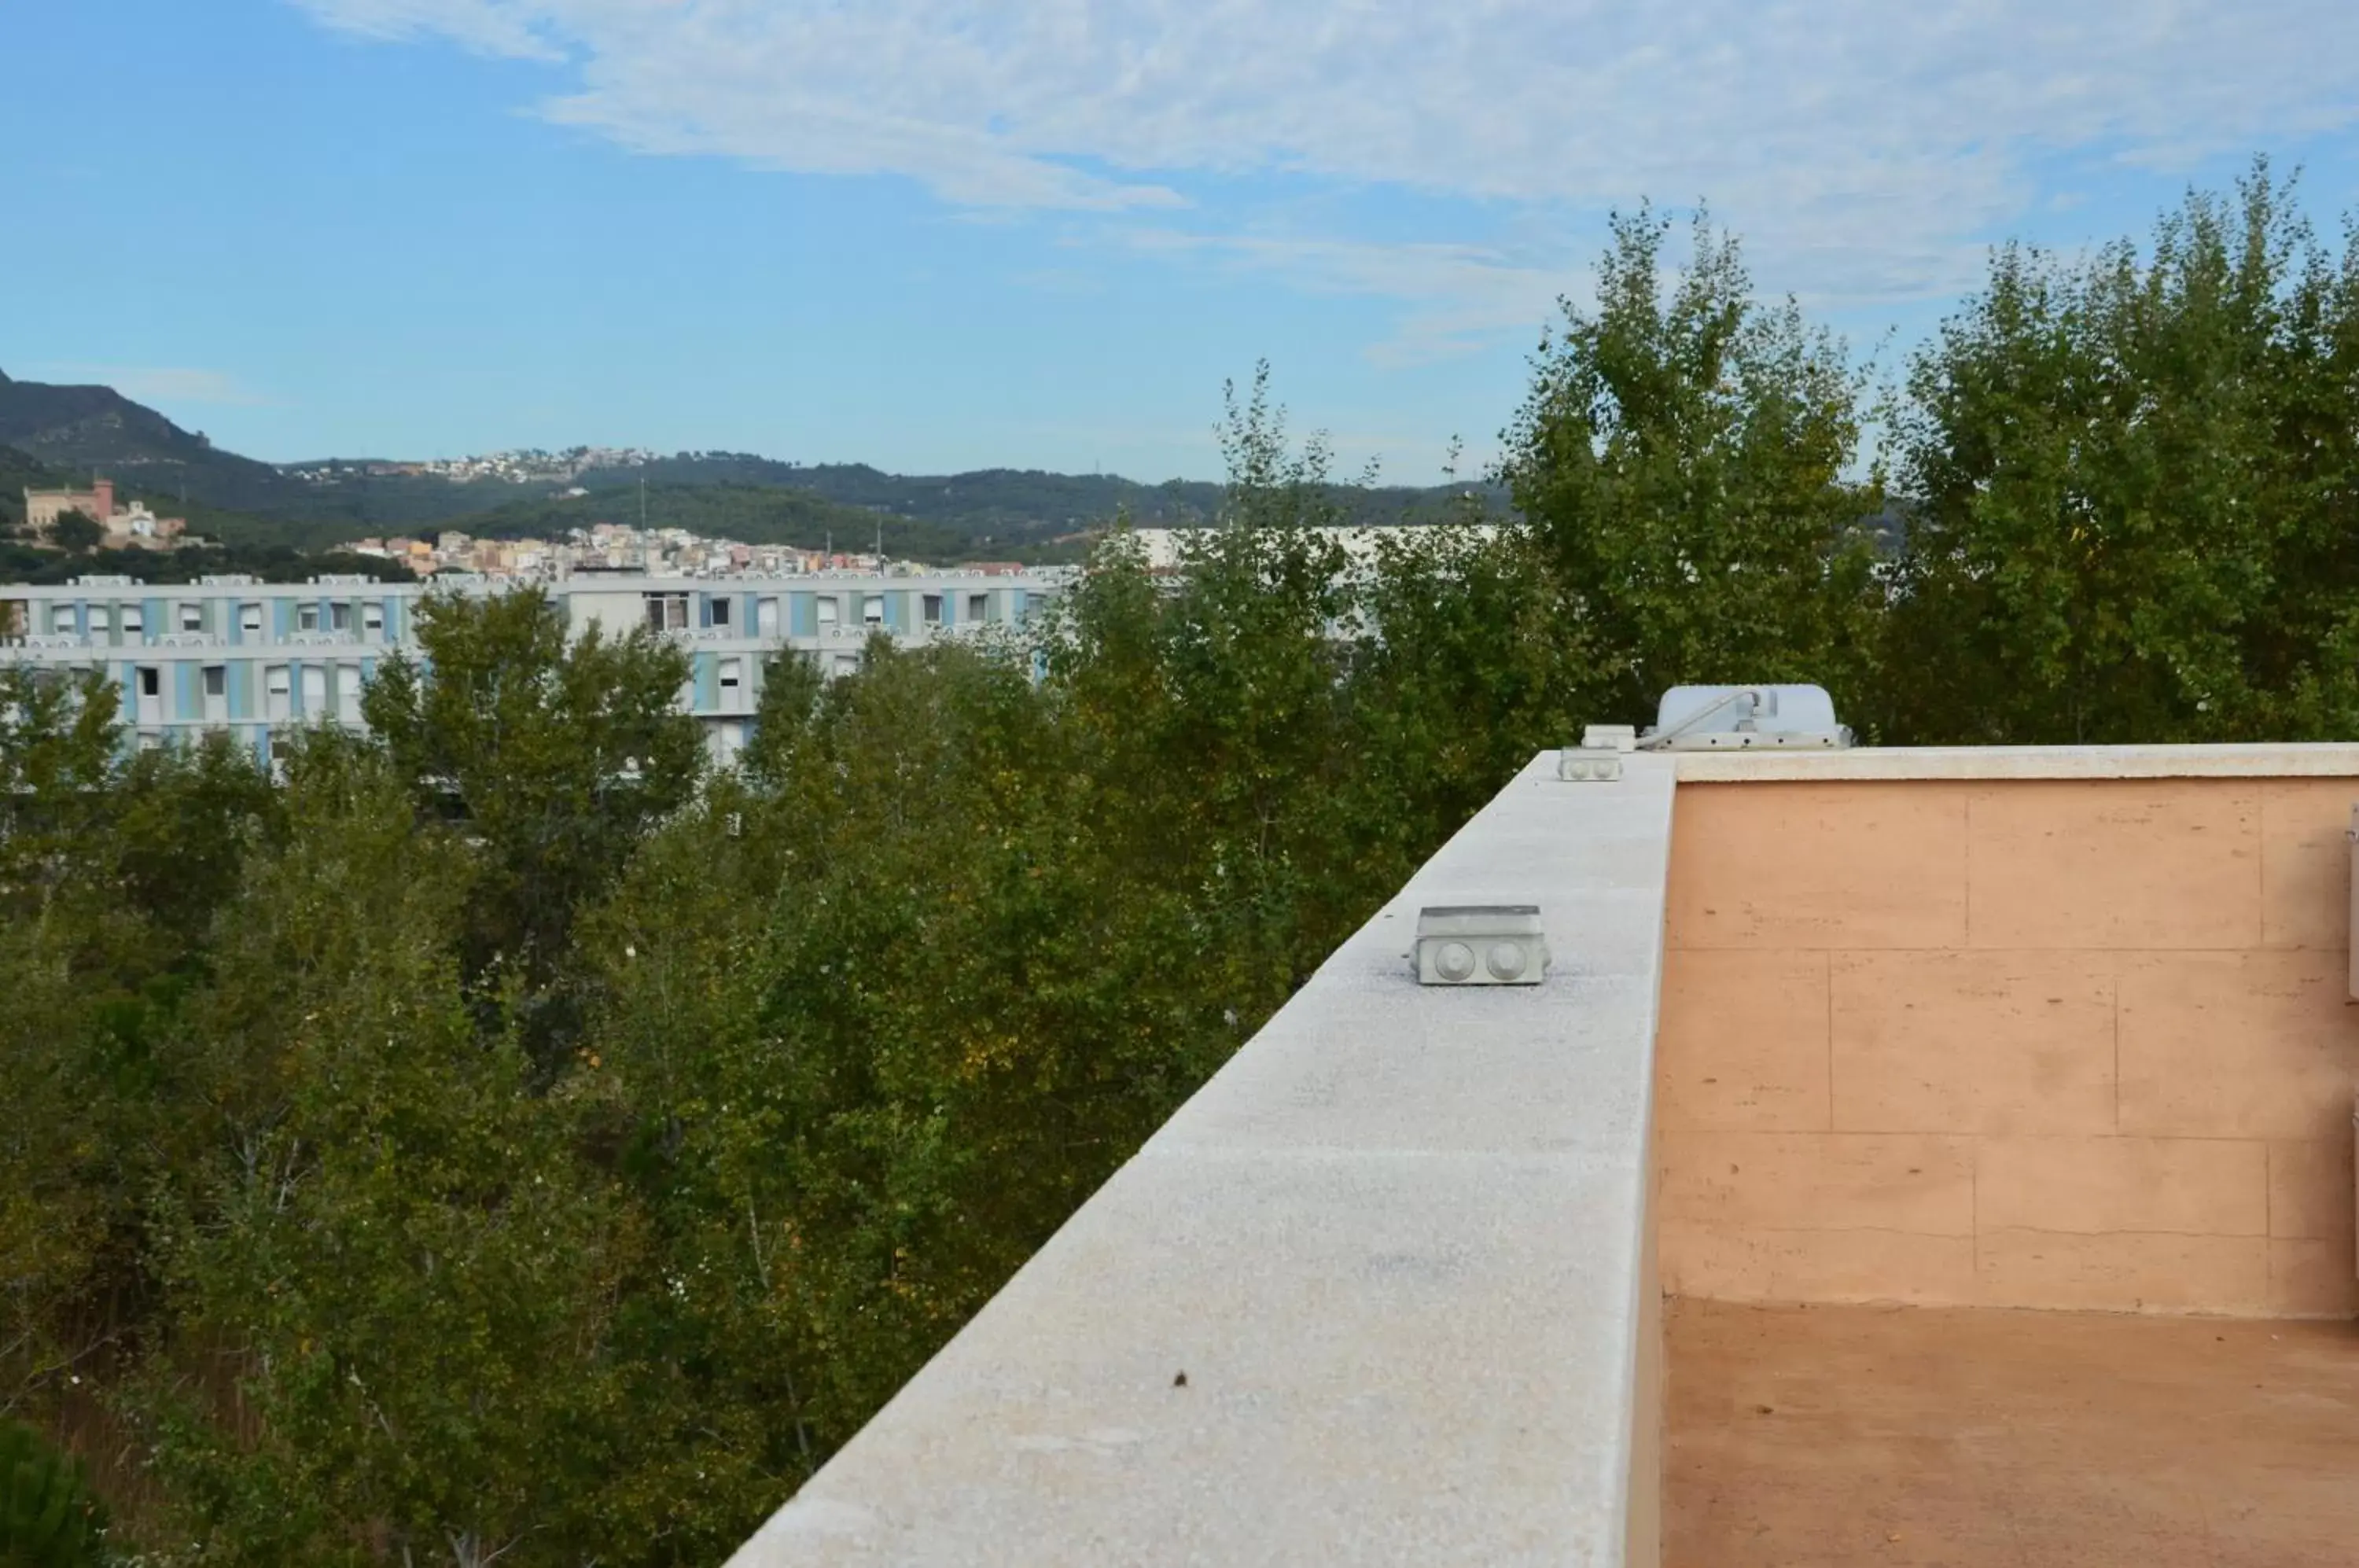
(704, 511)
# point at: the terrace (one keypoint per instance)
(1933, 1156)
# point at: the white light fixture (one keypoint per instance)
(1745, 718)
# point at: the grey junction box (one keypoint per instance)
(1481, 944)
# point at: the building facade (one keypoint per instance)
(134, 525)
(232, 654)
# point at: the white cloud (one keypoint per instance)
(488, 26)
(1864, 147)
(1461, 294)
(159, 384)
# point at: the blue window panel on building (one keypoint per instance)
(186, 704)
(151, 619)
(708, 683)
(803, 614)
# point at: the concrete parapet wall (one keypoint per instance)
(1382, 1292)
(2038, 1041)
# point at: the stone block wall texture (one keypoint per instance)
(2065, 1044)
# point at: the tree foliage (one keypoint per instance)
(1685, 458)
(2134, 491)
(48, 1516)
(76, 534)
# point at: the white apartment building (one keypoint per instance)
(230, 653)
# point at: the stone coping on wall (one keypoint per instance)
(1871, 764)
(1382, 1292)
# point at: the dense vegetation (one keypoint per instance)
(501, 1135)
(21, 562)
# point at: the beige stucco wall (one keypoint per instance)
(2038, 1044)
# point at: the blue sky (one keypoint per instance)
(937, 235)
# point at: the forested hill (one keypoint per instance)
(75, 430)
(1012, 503)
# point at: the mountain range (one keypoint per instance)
(1016, 514)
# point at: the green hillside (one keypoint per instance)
(67, 432)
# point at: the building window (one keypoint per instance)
(101, 618)
(249, 620)
(340, 616)
(348, 692)
(978, 607)
(61, 619)
(827, 612)
(872, 609)
(372, 621)
(216, 690)
(278, 693)
(720, 608)
(732, 683)
(845, 663)
(134, 621)
(151, 681)
(192, 617)
(932, 606)
(306, 617)
(667, 612)
(315, 690)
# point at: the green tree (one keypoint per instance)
(1467, 664)
(112, 868)
(791, 688)
(559, 752)
(386, 1247)
(48, 1516)
(1686, 457)
(76, 534)
(1213, 713)
(2131, 515)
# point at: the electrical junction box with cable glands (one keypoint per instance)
(1481, 944)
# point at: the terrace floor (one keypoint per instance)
(1824, 1436)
